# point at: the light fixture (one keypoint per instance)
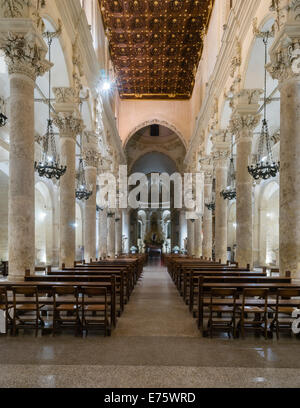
(83, 192)
(211, 206)
(3, 118)
(230, 192)
(50, 167)
(265, 167)
(106, 85)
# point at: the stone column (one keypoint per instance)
(25, 53)
(243, 122)
(198, 237)
(70, 125)
(207, 168)
(183, 228)
(90, 156)
(221, 152)
(191, 237)
(103, 233)
(126, 230)
(284, 66)
(111, 234)
(119, 231)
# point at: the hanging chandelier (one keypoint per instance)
(83, 192)
(265, 167)
(3, 118)
(211, 206)
(50, 167)
(230, 192)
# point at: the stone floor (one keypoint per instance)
(156, 344)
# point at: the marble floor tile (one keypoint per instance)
(156, 344)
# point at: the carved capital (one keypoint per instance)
(68, 124)
(285, 50)
(25, 55)
(206, 167)
(64, 95)
(243, 125)
(91, 158)
(14, 8)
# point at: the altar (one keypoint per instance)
(154, 249)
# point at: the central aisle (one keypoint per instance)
(156, 344)
(155, 308)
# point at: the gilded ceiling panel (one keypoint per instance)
(156, 45)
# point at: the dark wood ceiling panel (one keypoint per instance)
(156, 45)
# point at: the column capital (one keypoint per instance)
(206, 167)
(91, 157)
(67, 117)
(285, 50)
(23, 47)
(68, 124)
(221, 147)
(245, 117)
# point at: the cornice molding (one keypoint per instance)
(239, 23)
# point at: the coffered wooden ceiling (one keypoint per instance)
(156, 45)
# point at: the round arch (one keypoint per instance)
(155, 122)
(157, 162)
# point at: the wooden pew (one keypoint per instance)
(205, 288)
(230, 281)
(46, 287)
(126, 276)
(190, 277)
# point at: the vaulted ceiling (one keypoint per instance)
(156, 45)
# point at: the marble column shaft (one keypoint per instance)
(119, 231)
(198, 237)
(289, 211)
(90, 215)
(207, 220)
(69, 124)
(221, 151)
(221, 211)
(126, 230)
(103, 233)
(190, 238)
(111, 235)
(21, 219)
(243, 122)
(284, 67)
(24, 65)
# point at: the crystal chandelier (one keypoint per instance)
(83, 192)
(265, 167)
(50, 167)
(230, 192)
